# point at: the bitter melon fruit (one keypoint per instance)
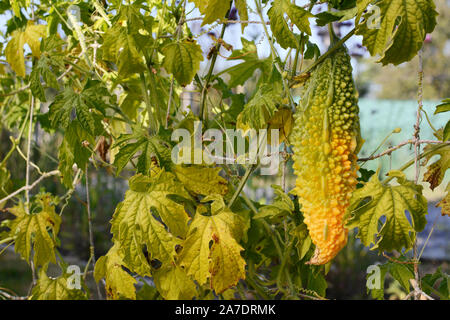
(326, 140)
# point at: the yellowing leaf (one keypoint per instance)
(283, 121)
(55, 288)
(15, 7)
(135, 228)
(202, 180)
(31, 36)
(31, 230)
(212, 9)
(436, 171)
(241, 6)
(222, 262)
(14, 53)
(174, 284)
(14, 50)
(396, 231)
(445, 202)
(258, 111)
(403, 27)
(182, 59)
(279, 26)
(120, 47)
(119, 283)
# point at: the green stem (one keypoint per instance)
(241, 184)
(330, 51)
(297, 51)
(253, 284)
(151, 119)
(203, 109)
(412, 161)
(17, 140)
(102, 12)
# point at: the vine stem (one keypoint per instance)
(241, 184)
(272, 48)
(27, 183)
(330, 51)
(411, 162)
(203, 109)
(27, 170)
(169, 103)
(151, 119)
(417, 291)
(390, 150)
(31, 186)
(91, 231)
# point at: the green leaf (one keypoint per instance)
(119, 283)
(403, 273)
(243, 71)
(279, 26)
(446, 133)
(182, 59)
(55, 288)
(202, 180)
(154, 146)
(304, 241)
(438, 282)
(72, 150)
(174, 284)
(312, 51)
(222, 262)
(443, 107)
(134, 227)
(326, 17)
(124, 43)
(61, 108)
(122, 48)
(282, 205)
(66, 161)
(258, 111)
(361, 5)
(376, 200)
(378, 293)
(30, 230)
(241, 6)
(5, 183)
(403, 27)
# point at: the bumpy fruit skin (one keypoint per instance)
(326, 140)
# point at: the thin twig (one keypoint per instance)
(417, 289)
(27, 170)
(410, 141)
(31, 186)
(226, 21)
(91, 230)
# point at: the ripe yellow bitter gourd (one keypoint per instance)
(326, 140)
